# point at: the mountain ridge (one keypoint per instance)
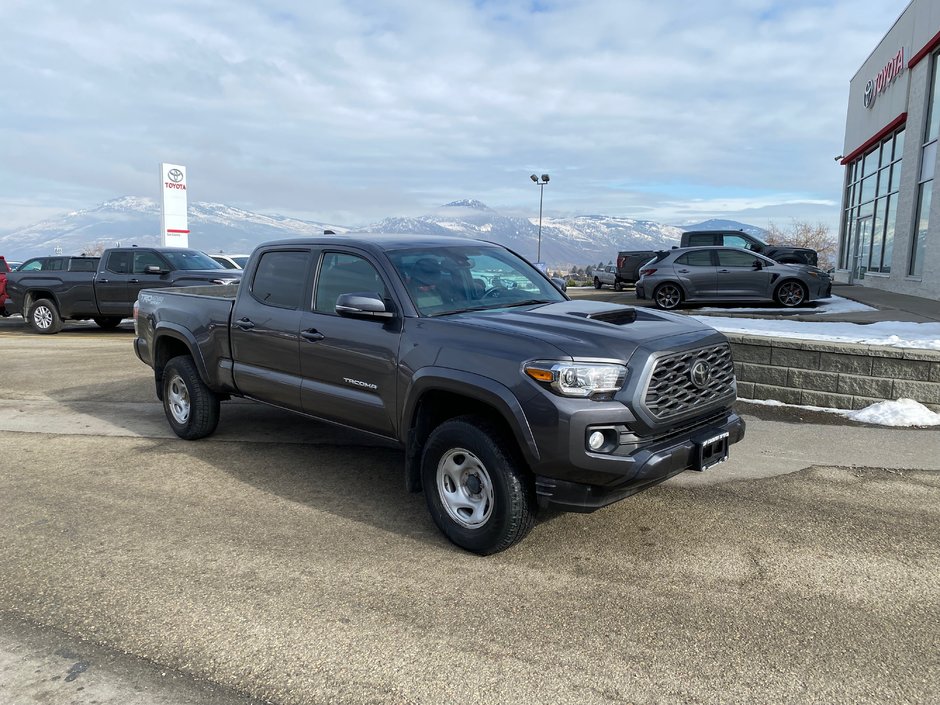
(218, 227)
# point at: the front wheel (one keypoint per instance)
(190, 406)
(43, 317)
(790, 294)
(667, 296)
(477, 492)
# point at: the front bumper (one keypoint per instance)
(637, 467)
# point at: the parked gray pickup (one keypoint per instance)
(505, 395)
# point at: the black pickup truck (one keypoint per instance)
(48, 290)
(738, 238)
(505, 395)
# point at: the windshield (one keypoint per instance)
(470, 278)
(240, 260)
(190, 259)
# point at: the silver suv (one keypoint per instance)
(728, 274)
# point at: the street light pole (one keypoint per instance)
(541, 184)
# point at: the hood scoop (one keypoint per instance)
(617, 316)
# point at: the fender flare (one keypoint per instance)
(176, 332)
(468, 384)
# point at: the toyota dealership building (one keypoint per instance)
(889, 236)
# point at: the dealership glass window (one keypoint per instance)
(928, 161)
(872, 183)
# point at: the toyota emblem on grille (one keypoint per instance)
(699, 373)
(174, 175)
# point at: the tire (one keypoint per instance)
(618, 286)
(790, 294)
(597, 283)
(108, 322)
(477, 491)
(43, 317)
(190, 406)
(668, 296)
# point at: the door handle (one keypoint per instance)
(683, 271)
(103, 281)
(313, 335)
(135, 281)
(724, 271)
(245, 323)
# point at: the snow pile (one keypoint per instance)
(894, 334)
(903, 412)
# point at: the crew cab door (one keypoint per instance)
(111, 283)
(349, 364)
(265, 330)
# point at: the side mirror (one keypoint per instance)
(363, 304)
(153, 269)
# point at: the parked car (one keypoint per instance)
(231, 261)
(739, 238)
(728, 274)
(607, 275)
(48, 290)
(504, 398)
(629, 263)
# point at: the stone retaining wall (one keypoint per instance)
(833, 375)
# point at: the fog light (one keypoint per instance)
(596, 440)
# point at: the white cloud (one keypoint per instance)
(348, 109)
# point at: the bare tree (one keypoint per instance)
(94, 249)
(801, 233)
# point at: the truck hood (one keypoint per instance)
(591, 329)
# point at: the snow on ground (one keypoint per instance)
(894, 334)
(903, 412)
(898, 334)
(834, 304)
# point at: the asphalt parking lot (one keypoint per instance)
(281, 560)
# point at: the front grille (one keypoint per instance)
(673, 389)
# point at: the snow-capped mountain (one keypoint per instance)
(130, 220)
(215, 227)
(717, 224)
(579, 239)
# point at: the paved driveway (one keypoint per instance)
(283, 559)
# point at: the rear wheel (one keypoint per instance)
(191, 407)
(668, 296)
(108, 322)
(597, 283)
(790, 294)
(43, 317)
(477, 491)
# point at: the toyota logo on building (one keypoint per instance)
(699, 373)
(175, 175)
(869, 98)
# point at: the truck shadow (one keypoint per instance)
(325, 467)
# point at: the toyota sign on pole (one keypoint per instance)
(174, 225)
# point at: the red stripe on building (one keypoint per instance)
(927, 48)
(176, 231)
(876, 138)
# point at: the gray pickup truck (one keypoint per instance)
(505, 395)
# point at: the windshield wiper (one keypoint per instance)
(459, 310)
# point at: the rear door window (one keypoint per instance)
(700, 258)
(281, 278)
(701, 240)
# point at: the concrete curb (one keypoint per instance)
(834, 375)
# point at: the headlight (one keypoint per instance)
(578, 379)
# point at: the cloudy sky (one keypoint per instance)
(347, 111)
